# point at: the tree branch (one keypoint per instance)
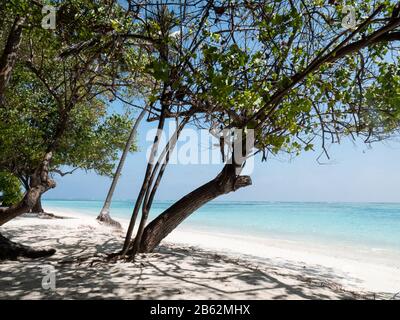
(62, 174)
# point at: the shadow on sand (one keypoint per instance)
(173, 272)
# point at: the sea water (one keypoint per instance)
(370, 225)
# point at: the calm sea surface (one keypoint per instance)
(376, 225)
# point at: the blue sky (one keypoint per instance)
(355, 173)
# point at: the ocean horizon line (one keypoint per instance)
(237, 201)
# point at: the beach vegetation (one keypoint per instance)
(291, 71)
(56, 90)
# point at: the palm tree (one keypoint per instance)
(104, 215)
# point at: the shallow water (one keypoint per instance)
(372, 225)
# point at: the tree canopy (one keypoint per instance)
(91, 142)
(10, 188)
(55, 96)
(295, 72)
(289, 70)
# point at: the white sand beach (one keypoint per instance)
(188, 265)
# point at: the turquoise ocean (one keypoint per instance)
(372, 225)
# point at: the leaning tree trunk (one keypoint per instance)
(104, 215)
(37, 208)
(226, 182)
(39, 184)
(10, 250)
(26, 205)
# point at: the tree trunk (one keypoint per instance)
(39, 184)
(37, 208)
(10, 250)
(146, 180)
(9, 55)
(157, 174)
(226, 182)
(24, 206)
(104, 215)
(105, 218)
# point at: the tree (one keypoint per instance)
(79, 67)
(10, 187)
(287, 70)
(104, 215)
(10, 51)
(92, 142)
(90, 69)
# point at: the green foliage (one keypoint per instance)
(242, 72)
(62, 86)
(10, 188)
(91, 142)
(245, 67)
(383, 100)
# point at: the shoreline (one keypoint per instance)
(337, 277)
(362, 268)
(362, 236)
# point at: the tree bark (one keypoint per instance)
(37, 208)
(146, 180)
(40, 182)
(104, 215)
(9, 55)
(24, 206)
(10, 250)
(157, 174)
(226, 182)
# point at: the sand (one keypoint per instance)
(188, 265)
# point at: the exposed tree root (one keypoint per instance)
(43, 215)
(10, 250)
